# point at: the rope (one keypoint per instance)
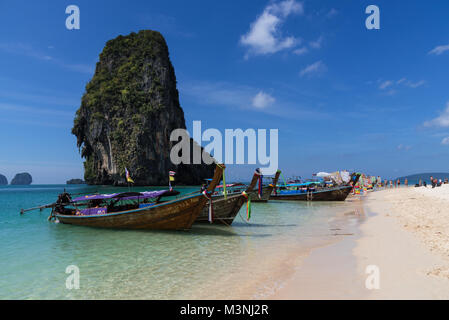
(211, 207)
(285, 184)
(248, 205)
(224, 180)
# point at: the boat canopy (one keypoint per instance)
(230, 185)
(127, 195)
(322, 174)
(302, 184)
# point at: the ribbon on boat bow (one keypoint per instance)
(274, 187)
(248, 205)
(285, 184)
(211, 207)
(260, 182)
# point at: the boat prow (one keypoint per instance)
(226, 209)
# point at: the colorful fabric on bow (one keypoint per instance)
(211, 207)
(285, 184)
(259, 191)
(248, 205)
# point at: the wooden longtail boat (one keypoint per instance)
(338, 193)
(178, 214)
(266, 190)
(225, 210)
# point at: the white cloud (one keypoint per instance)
(404, 147)
(403, 81)
(29, 51)
(301, 51)
(230, 96)
(317, 43)
(264, 36)
(445, 141)
(332, 12)
(17, 110)
(262, 100)
(219, 93)
(439, 50)
(316, 67)
(415, 84)
(286, 7)
(385, 84)
(441, 121)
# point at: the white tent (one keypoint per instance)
(322, 174)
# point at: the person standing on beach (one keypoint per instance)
(406, 182)
(391, 184)
(399, 183)
(432, 182)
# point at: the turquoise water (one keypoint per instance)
(207, 261)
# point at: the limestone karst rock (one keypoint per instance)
(22, 179)
(128, 112)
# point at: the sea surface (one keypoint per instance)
(209, 261)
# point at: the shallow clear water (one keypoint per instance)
(207, 261)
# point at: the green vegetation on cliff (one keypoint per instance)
(128, 111)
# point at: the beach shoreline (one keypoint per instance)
(396, 240)
(268, 272)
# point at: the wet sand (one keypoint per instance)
(266, 271)
(403, 233)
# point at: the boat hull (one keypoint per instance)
(335, 194)
(172, 215)
(266, 192)
(225, 210)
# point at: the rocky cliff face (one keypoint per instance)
(128, 112)
(3, 180)
(22, 179)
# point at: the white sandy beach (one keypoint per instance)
(405, 234)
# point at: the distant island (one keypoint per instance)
(425, 176)
(3, 180)
(23, 178)
(76, 181)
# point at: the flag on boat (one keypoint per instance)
(128, 176)
(171, 177)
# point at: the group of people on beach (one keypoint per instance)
(433, 181)
(396, 183)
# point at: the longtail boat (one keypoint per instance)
(263, 194)
(225, 209)
(305, 191)
(177, 214)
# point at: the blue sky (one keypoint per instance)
(341, 96)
